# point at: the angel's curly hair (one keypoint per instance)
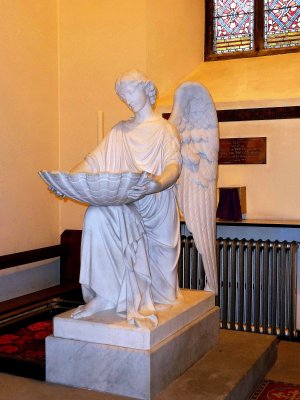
(136, 77)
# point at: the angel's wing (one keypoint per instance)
(195, 117)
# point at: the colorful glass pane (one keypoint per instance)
(282, 23)
(233, 25)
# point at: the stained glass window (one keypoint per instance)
(282, 23)
(233, 25)
(246, 28)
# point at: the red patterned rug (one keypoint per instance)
(269, 390)
(27, 343)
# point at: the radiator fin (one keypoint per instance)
(257, 283)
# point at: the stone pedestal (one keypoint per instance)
(105, 353)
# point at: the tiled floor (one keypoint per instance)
(286, 369)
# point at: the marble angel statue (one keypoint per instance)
(129, 251)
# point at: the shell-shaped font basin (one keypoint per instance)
(101, 189)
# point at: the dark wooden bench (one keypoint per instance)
(68, 251)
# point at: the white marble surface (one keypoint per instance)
(129, 372)
(195, 117)
(100, 189)
(107, 327)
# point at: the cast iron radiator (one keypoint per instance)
(257, 283)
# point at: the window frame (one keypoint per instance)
(258, 49)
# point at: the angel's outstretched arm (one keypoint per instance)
(156, 183)
(167, 178)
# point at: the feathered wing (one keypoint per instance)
(195, 117)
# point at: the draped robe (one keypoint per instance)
(129, 252)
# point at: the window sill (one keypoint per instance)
(247, 54)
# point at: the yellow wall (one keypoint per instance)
(174, 40)
(257, 78)
(59, 63)
(272, 191)
(99, 40)
(28, 123)
(242, 82)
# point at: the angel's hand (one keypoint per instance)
(56, 192)
(148, 184)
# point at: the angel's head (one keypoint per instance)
(135, 89)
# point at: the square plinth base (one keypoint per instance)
(106, 327)
(130, 372)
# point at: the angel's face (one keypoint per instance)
(133, 95)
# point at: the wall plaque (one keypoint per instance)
(243, 151)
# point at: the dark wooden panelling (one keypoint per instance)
(70, 259)
(30, 256)
(41, 295)
(255, 114)
(69, 252)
